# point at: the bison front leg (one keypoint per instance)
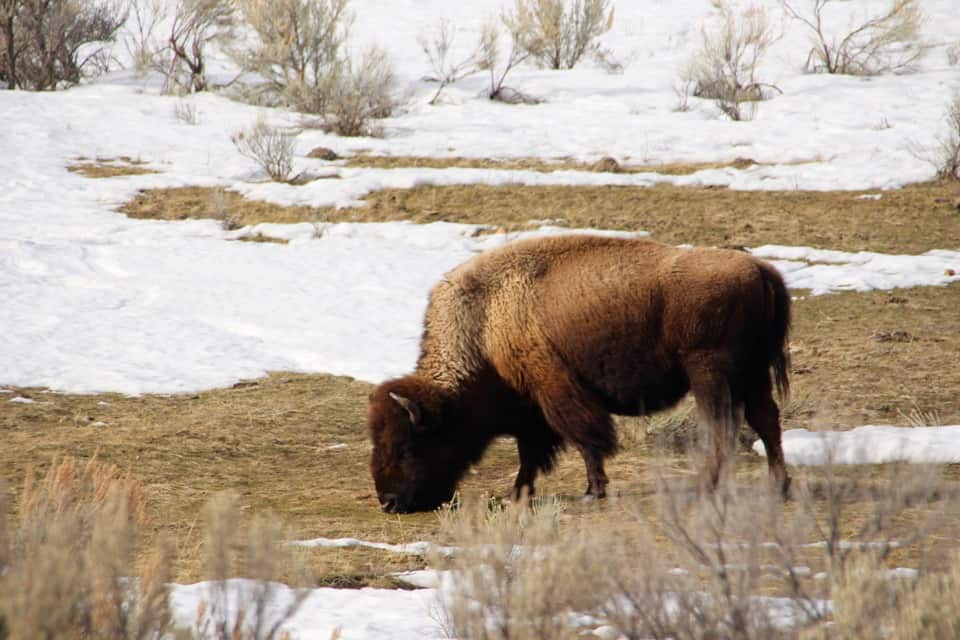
(538, 446)
(582, 421)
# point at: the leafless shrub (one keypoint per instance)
(953, 54)
(252, 547)
(299, 49)
(219, 209)
(683, 89)
(516, 576)
(675, 430)
(948, 144)
(944, 153)
(606, 60)
(678, 430)
(694, 567)
(844, 535)
(556, 33)
(142, 43)
(492, 60)
(197, 24)
(66, 565)
(361, 92)
(871, 603)
(883, 43)
(186, 112)
(269, 147)
(724, 68)
(719, 559)
(48, 44)
(445, 71)
(930, 609)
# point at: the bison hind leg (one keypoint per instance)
(763, 416)
(721, 409)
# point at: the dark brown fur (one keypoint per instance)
(543, 339)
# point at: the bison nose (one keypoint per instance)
(388, 502)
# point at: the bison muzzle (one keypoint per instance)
(544, 339)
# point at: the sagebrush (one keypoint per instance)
(883, 42)
(695, 565)
(78, 560)
(725, 66)
(270, 147)
(558, 33)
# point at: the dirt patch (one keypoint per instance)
(914, 219)
(109, 167)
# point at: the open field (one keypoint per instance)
(178, 301)
(296, 445)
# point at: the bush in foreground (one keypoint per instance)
(74, 563)
(68, 558)
(699, 566)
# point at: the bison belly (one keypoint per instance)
(620, 359)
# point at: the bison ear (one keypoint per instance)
(409, 406)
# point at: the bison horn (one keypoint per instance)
(409, 405)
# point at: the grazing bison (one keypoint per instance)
(543, 339)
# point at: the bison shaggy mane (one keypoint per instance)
(544, 339)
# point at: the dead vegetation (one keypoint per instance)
(680, 564)
(914, 219)
(604, 165)
(109, 167)
(75, 562)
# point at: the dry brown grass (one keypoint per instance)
(259, 237)
(109, 167)
(270, 440)
(605, 165)
(914, 219)
(184, 203)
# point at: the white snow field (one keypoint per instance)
(95, 302)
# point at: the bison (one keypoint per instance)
(544, 339)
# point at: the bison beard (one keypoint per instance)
(543, 339)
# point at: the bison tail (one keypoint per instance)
(778, 328)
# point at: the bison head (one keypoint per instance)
(415, 463)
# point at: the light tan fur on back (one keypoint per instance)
(493, 308)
